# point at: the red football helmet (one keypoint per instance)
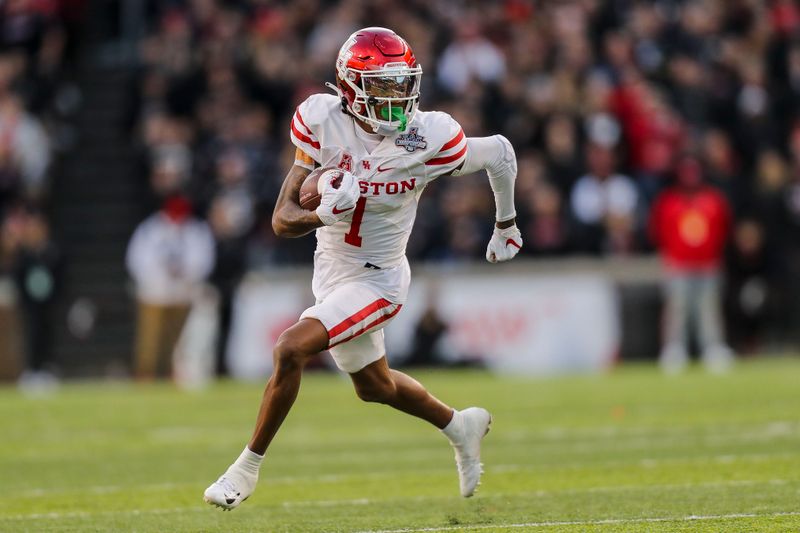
(378, 79)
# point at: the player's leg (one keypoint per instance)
(465, 429)
(717, 356)
(295, 345)
(148, 331)
(378, 383)
(306, 338)
(674, 355)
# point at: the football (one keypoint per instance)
(310, 194)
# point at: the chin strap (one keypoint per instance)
(338, 92)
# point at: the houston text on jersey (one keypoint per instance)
(391, 187)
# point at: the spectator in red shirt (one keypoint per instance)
(689, 224)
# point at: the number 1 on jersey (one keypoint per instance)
(352, 237)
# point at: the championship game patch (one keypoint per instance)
(411, 141)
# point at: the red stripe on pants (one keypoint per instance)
(379, 320)
(355, 318)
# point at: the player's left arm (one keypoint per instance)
(496, 155)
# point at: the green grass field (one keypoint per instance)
(628, 451)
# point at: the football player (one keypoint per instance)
(387, 152)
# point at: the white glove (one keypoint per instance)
(504, 244)
(337, 203)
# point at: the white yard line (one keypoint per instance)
(544, 436)
(662, 486)
(646, 462)
(578, 441)
(609, 521)
(86, 514)
(368, 501)
(98, 489)
(328, 503)
(543, 493)
(544, 524)
(490, 469)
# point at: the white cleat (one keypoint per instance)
(231, 489)
(475, 425)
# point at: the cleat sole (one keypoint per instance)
(221, 506)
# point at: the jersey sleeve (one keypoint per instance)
(302, 131)
(452, 148)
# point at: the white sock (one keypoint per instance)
(249, 461)
(453, 430)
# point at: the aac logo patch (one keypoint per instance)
(411, 140)
(346, 162)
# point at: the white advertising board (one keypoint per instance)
(519, 323)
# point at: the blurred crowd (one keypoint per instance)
(36, 38)
(599, 97)
(32, 45)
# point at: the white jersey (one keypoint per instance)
(392, 177)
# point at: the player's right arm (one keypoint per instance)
(288, 218)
